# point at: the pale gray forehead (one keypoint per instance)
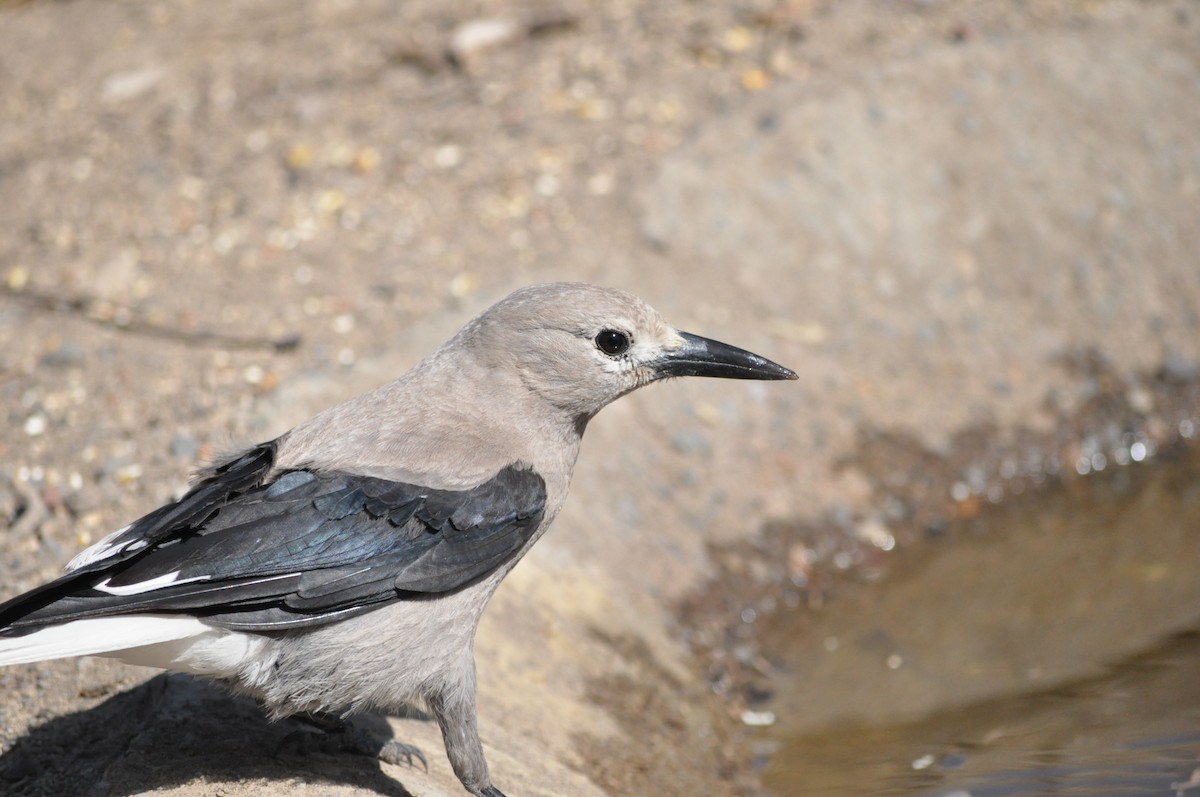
(576, 306)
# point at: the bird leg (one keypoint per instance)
(454, 711)
(342, 735)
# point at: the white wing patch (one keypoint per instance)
(172, 579)
(101, 550)
(165, 580)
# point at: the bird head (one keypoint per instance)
(580, 346)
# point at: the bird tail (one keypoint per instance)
(98, 636)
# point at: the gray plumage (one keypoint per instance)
(345, 565)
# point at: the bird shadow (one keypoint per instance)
(172, 730)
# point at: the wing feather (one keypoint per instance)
(305, 548)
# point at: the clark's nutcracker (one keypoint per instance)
(345, 564)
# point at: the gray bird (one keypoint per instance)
(345, 565)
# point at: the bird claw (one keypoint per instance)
(492, 791)
(394, 752)
(373, 745)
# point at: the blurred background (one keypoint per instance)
(958, 557)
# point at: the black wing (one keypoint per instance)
(302, 550)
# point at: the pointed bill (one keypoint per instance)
(705, 357)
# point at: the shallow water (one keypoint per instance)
(1045, 647)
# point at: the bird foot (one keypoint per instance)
(491, 791)
(394, 752)
(336, 735)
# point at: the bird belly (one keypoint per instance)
(389, 658)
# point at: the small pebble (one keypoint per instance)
(755, 79)
(476, 36)
(35, 425)
(547, 185)
(448, 156)
(758, 719)
(17, 278)
(299, 156)
(128, 85)
(600, 184)
(366, 160)
(461, 285)
(330, 202)
(739, 39)
(873, 531)
(252, 374)
(128, 473)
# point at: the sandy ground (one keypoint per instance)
(223, 216)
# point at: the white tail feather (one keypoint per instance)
(98, 636)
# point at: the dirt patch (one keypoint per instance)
(674, 735)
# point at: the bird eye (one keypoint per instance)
(612, 342)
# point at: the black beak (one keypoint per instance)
(703, 357)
